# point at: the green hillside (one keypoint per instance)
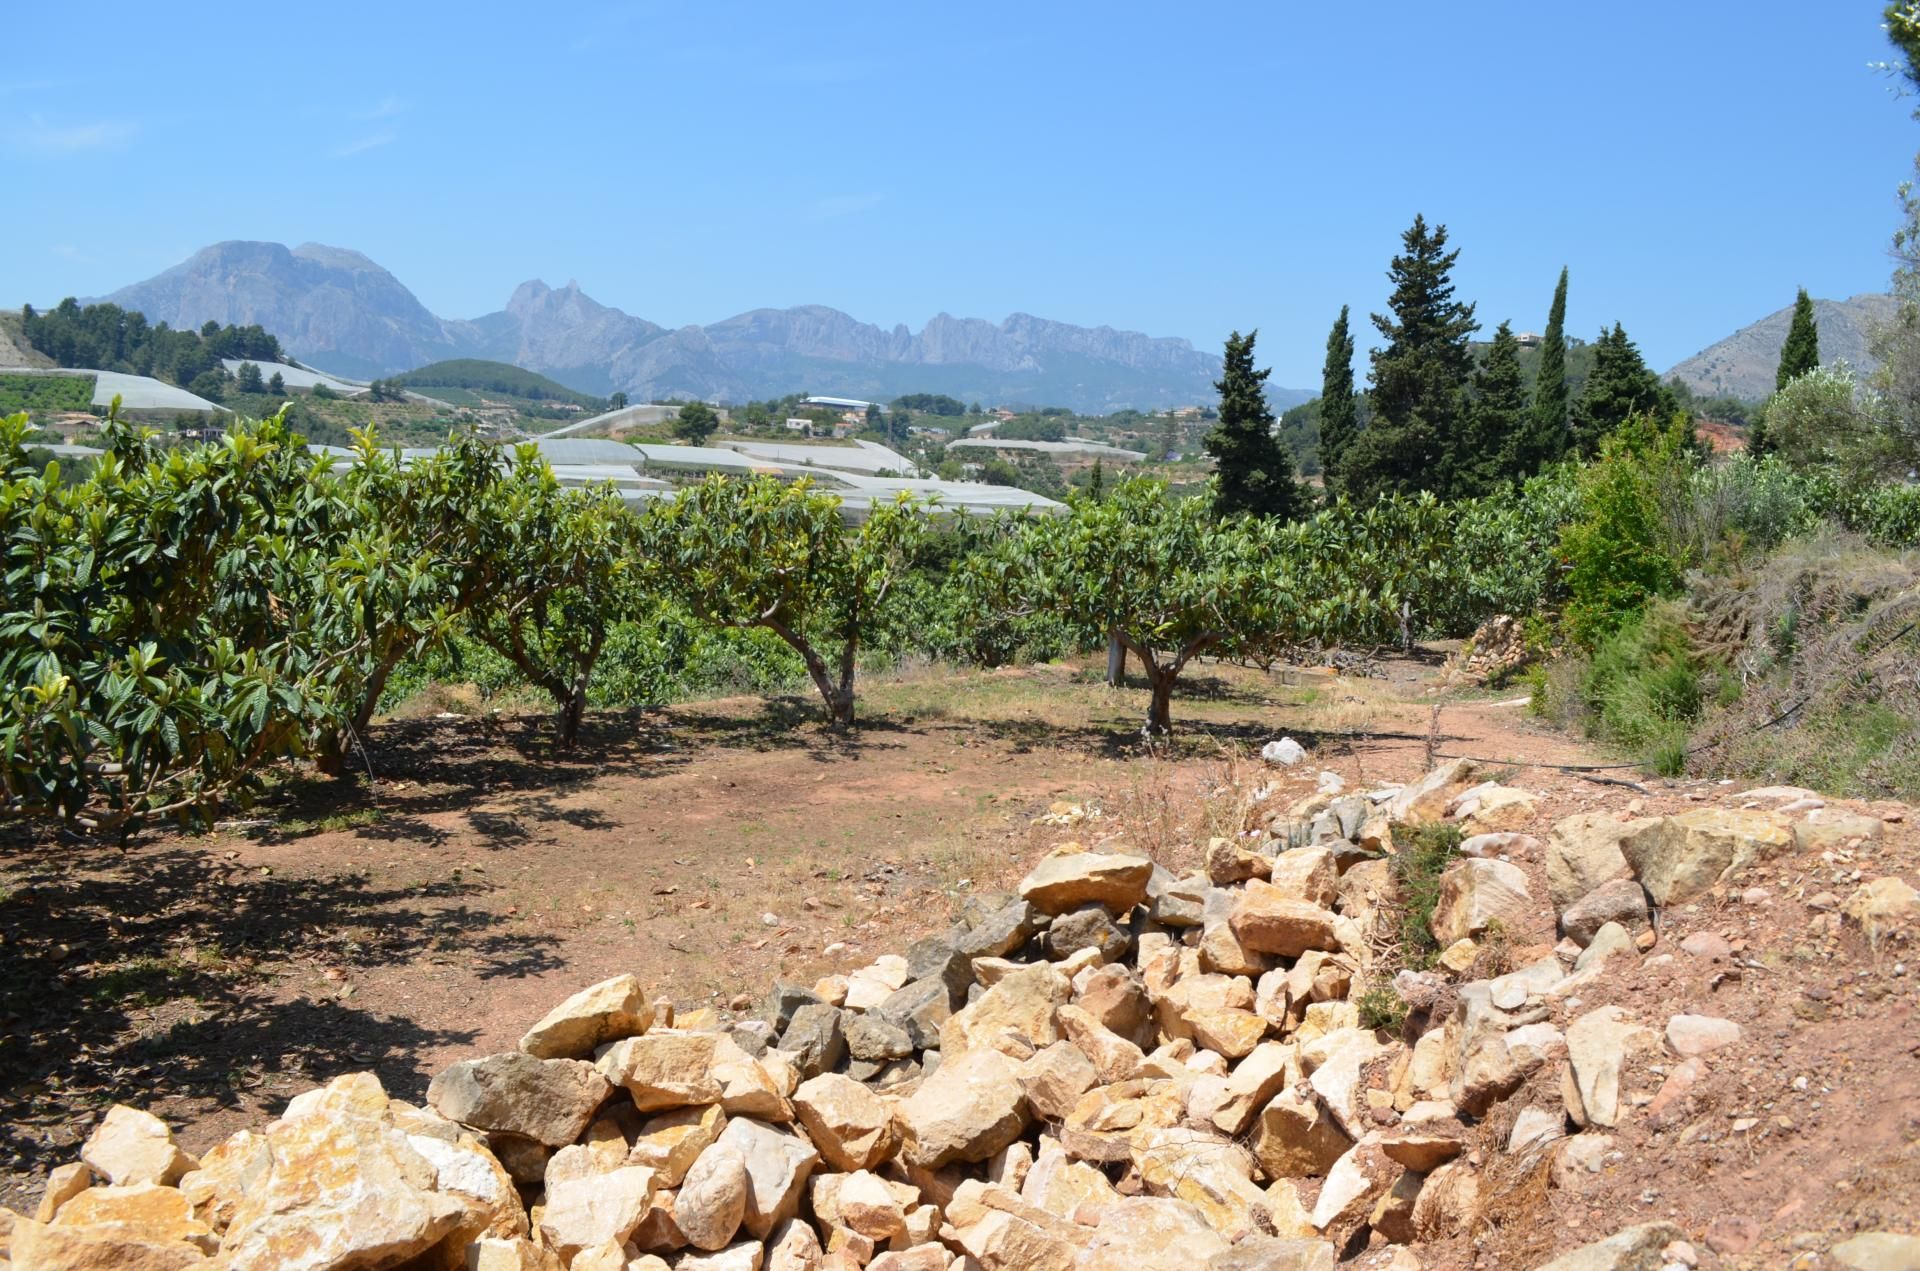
(499, 378)
(37, 393)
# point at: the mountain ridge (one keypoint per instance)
(1744, 364)
(338, 309)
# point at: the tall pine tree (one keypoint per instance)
(1618, 386)
(1253, 470)
(1546, 435)
(1499, 422)
(1339, 410)
(1801, 352)
(1419, 377)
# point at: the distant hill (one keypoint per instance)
(338, 310)
(482, 376)
(1744, 364)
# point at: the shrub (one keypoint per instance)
(1645, 687)
(1621, 550)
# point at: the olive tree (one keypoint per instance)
(761, 552)
(1171, 582)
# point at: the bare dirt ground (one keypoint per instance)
(436, 911)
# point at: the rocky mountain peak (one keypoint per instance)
(343, 312)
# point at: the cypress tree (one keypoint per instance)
(1339, 414)
(1619, 386)
(1419, 376)
(1546, 438)
(1801, 352)
(1253, 470)
(1498, 434)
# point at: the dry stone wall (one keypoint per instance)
(1115, 1069)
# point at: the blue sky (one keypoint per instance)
(1181, 170)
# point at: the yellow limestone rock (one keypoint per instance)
(1427, 799)
(712, 1200)
(144, 1211)
(584, 1212)
(338, 1190)
(1151, 1233)
(1269, 919)
(1114, 1058)
(48, 1247)
(131, 1146)
(608, 1011)
(1208, 1172)
(1018, 1014)
(1267, 1069)
(1067, 880)
(1884, 906)
(226, 1175)
(971, 1107)
(1054, 1077)
(1294, 1137)
(1679, 858)
(1061, 1185)
(849, 1123)
(670, 1142)
(64, 1182)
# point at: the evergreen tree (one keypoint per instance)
(1497, 435)
(1618, 387)
(247, 378)
(1546, 437)
(1801, 352)
(1419, 376)
(1253, 470)
(694, 422)
(1339, 415)
(276, 384)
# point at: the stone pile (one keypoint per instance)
(1497, 649)
(1115, 1069)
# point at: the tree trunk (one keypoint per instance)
(570, 714)
(333, 757)
(329, 754)
(1160, 704)
(573, 702)
(376, 685)
(1116, 660)
(838, 698)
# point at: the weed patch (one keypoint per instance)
(1423, 854)
(1381, 1008)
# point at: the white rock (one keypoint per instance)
(1283, 753)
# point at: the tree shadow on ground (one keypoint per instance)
(423, 768)
(152, 974)
(783, 723)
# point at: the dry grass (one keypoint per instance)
(1516, 1227)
